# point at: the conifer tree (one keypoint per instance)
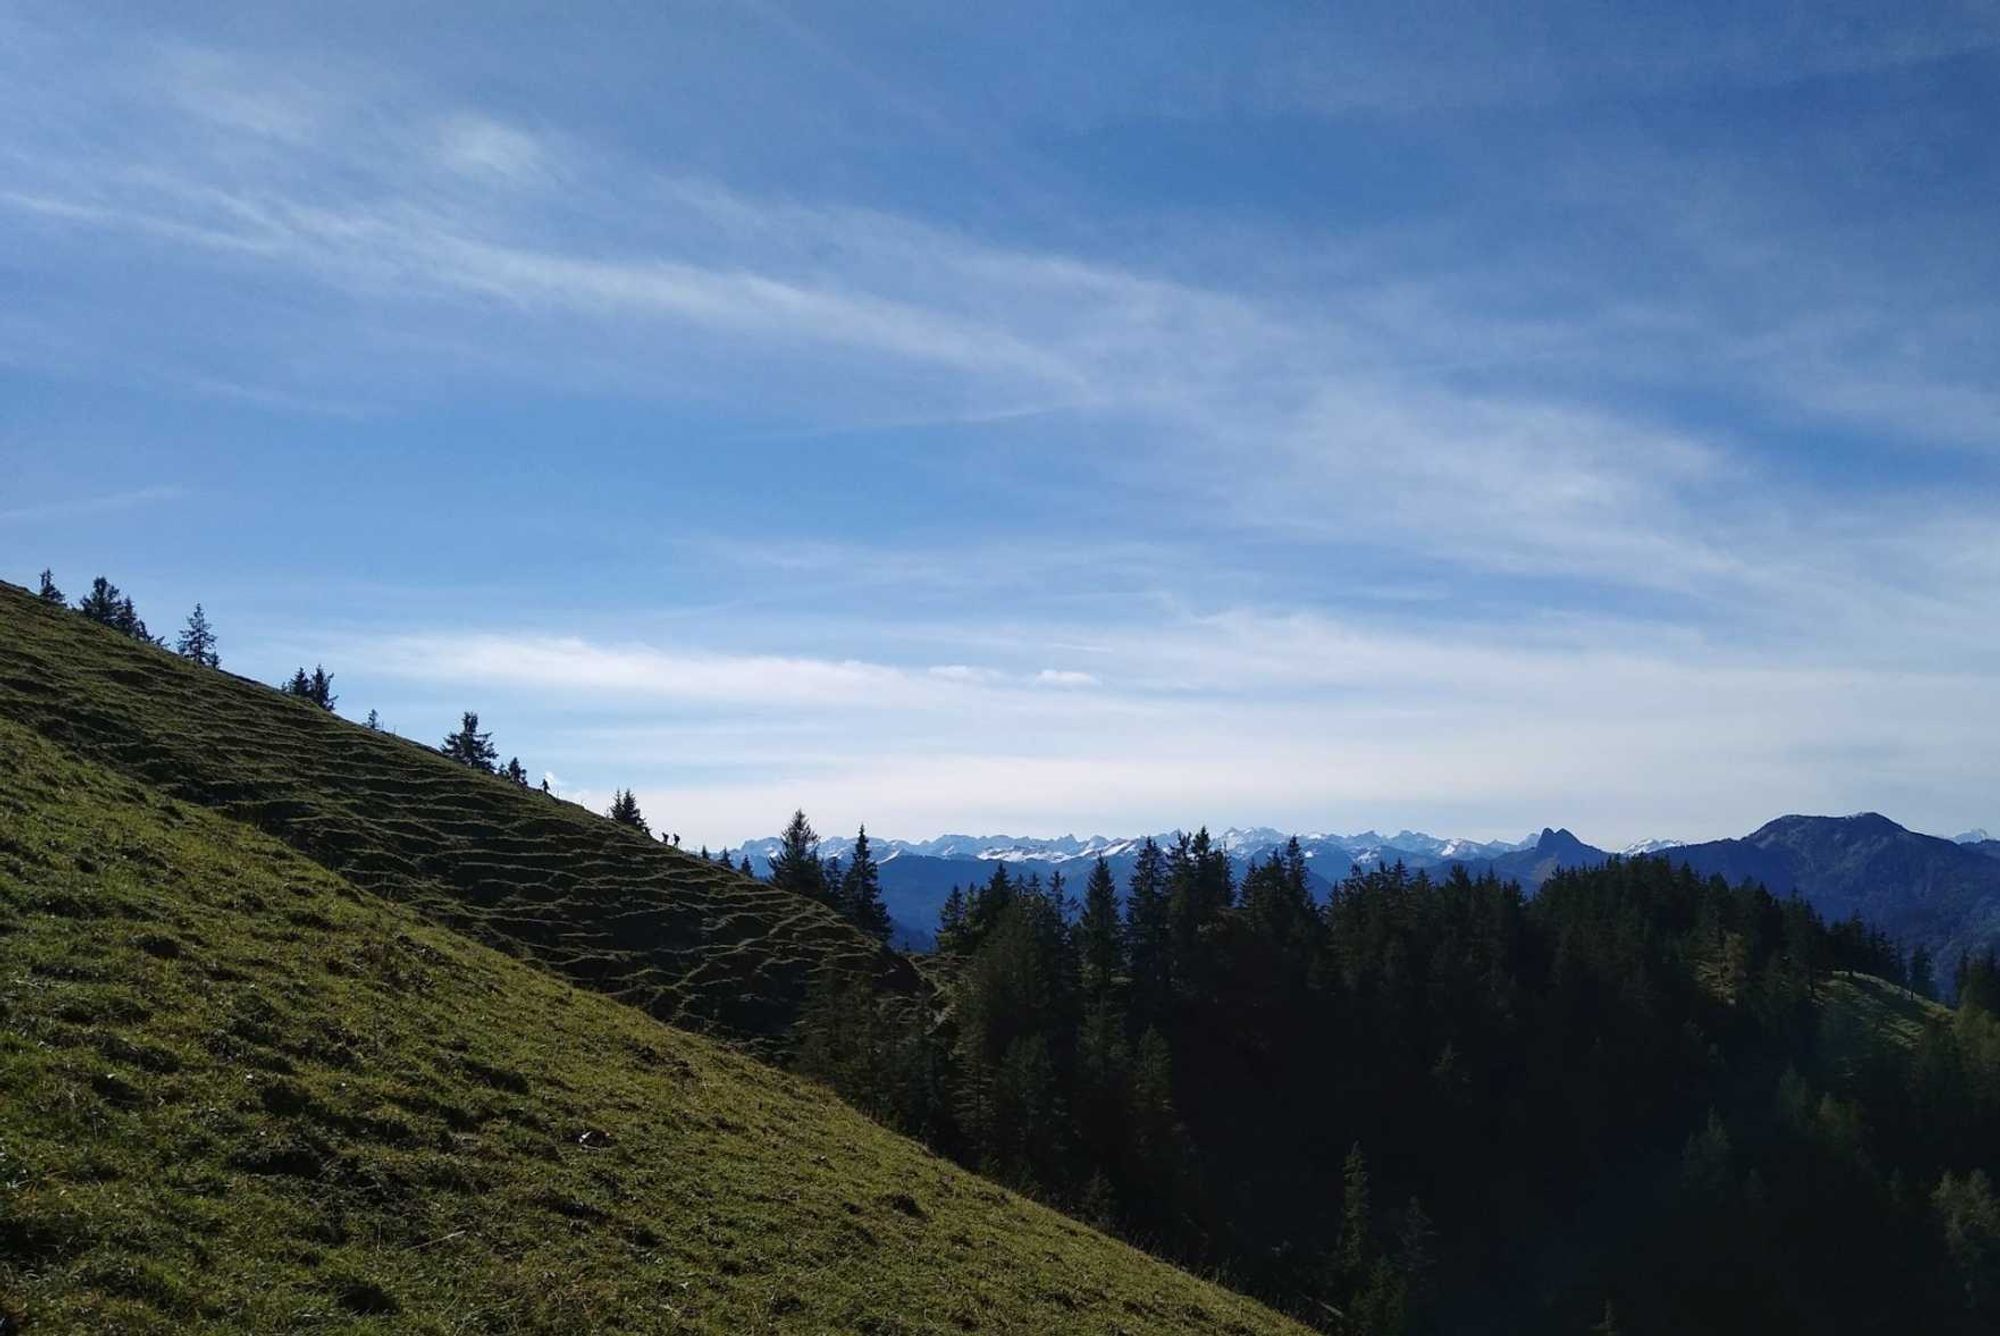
(861, 892)
(745, 868)
(1156, 1144)
(316, 686)
(1199, 889)
(197, 640)
(951, 923)
(513, 770)
(469, 746)
(796, 866)
(1417, 1252)
(1923, 973)
(1099, 936)
(374, 721)
(48, 593)
(625, 811)
(103, 603)
(1357, 1245)
(129, 621)
(1147, 935)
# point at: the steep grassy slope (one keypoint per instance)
(683, 939)
(237, 1092)
(1862, 1010)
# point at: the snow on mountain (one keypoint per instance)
(1255, 842)
(1650, 847)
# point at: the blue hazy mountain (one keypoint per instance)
(1920, 889)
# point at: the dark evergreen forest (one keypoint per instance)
(1639, 1101)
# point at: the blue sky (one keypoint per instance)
(1046, 417)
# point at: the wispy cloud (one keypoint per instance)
(1236, 717)
(105, 503)
(1320, 513)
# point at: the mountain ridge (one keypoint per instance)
(683, 939)
(1943, 894)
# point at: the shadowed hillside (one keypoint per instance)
(683, 939)
(241, 1094)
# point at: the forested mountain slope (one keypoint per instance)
(239, 1093)
(1920, 889)
(684, 939)
(1443, 1105)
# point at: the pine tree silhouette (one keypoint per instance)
(624, 810)
(861, 892)
(469, 746)
(129, 621)
(796, 866)
(316, 686)
(197, 640)
(48, 593)
(101, 603)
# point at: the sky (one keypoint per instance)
(1045, 417)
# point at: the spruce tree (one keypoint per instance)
(745, 868)
(197, 640)
(103, 603)
(374, 721)
(1099, 937)
(130, 623)
(861, 892)
(796, 866)
(624, 810)
(316, 686)
(1923, 974)
(469, 746)
(512, 770)
(1357, 1244)
(48, 593)
(1147, 935)
(951, 923)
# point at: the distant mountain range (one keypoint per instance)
(1241, 844)
(918, 875)
(1920, 889)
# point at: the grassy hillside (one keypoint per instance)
(1861, 1010)
(681, 938)
(241, 1093)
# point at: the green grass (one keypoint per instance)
(1859, 1011)
(238, 1092)
(686, 940)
